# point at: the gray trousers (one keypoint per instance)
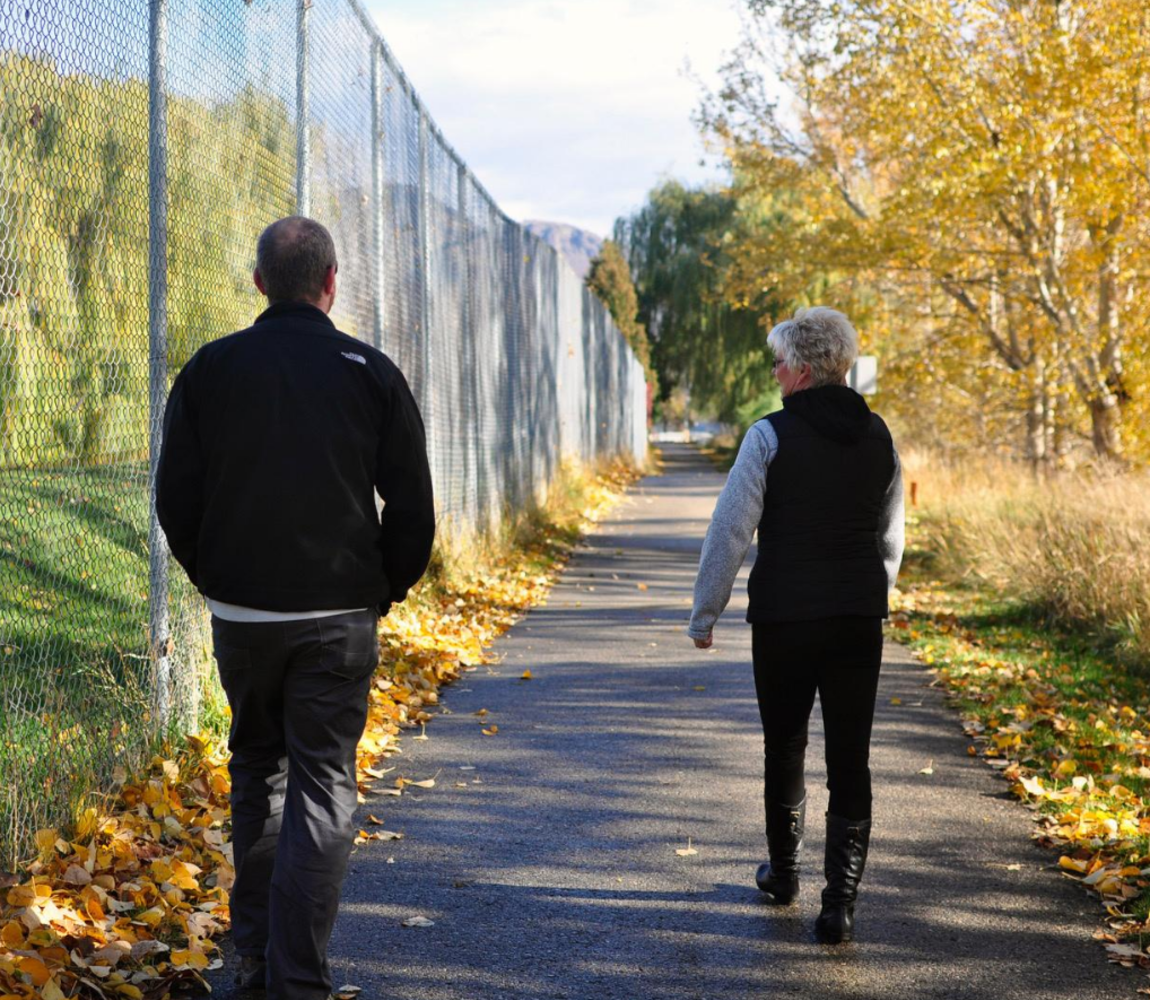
(298, 695)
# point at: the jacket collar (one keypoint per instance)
(294, 310)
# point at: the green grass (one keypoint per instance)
(1140, 908)
(1043, 698)
(75, 672)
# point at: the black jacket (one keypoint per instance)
(828, 490)
(275, 441)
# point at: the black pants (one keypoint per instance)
(298, 695)
(839, 658)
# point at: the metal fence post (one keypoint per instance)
(468, 347)
(425, 272)
(158, 624)
(377, 193)
(303, 110)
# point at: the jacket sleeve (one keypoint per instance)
(180, 477)
(892, 525)
(737, 514)
(403, 481)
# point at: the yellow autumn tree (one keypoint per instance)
(972, 178)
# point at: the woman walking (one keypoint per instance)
(820, 481)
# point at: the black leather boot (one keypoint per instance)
(779, 877)
(847, 844)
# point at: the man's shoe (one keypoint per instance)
(847, 844)
(779, 877)
(253, 973)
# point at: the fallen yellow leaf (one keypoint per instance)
(34, 969)
(686, 852)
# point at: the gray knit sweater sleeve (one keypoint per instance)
(737, 514)
(892, 525)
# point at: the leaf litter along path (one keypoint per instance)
(551, 856)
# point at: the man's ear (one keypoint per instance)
(329, 281)
(257, 278)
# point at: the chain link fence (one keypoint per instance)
(143, 146)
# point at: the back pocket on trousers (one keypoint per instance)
(354, 648)
(231, 659)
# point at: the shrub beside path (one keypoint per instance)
(545, 855)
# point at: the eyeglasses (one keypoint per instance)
(775, 366)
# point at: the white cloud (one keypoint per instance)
(568, 110)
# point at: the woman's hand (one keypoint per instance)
(705, 643)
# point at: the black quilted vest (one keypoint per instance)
(818, 554)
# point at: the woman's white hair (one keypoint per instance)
(820, 337)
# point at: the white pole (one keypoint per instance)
(377, 194)
(425, 270)
(158, 623)
(303, 110)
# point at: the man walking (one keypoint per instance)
(276, 439)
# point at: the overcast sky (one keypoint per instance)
(567, 110)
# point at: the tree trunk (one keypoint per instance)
(1035, 430)
(1036, 418)
(1050, 431)
(1105, 426)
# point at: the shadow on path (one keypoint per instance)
(546, 855)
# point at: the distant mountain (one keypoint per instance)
(577, 245)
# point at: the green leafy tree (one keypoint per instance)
(74, 248)
(702, 339)
(610, 280)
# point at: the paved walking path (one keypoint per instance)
(545, 855)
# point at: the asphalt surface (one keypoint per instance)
(546, 855)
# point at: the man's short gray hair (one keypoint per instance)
(820, 337)
(293, 256)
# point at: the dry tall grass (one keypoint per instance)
(1077, 544)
